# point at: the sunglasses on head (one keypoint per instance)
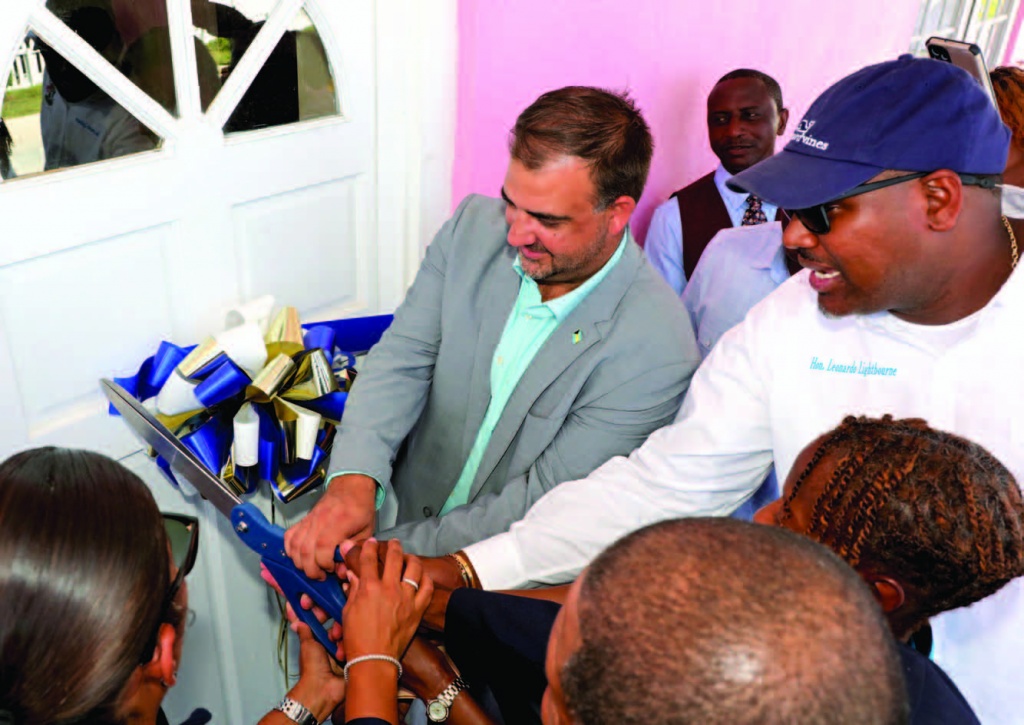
(815, 218)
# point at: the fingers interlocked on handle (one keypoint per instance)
(385, 604)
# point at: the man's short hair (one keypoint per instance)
(723, 621)
(603, 128)
(770, 84)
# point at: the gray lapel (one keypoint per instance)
(502, 290)
(556, 354)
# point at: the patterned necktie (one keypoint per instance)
(754, 213)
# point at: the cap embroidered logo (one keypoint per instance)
(802, 135)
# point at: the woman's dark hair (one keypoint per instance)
(931, 509)
(84, 567)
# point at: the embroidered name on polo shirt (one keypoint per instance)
(853, 367)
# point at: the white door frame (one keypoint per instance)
(413, 77)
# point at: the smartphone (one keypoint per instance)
(967, 56)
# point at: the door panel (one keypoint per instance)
(100, 262)
(320, 228)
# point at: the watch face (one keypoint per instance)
(437, 711)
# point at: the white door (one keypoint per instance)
(102, 261)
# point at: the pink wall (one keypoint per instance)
(668, 53)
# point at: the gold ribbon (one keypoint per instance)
(292, 376)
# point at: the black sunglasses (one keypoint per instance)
(183, 537)
(815, 218)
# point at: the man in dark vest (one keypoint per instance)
(745, 115)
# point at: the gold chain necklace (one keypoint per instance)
(1013, 243)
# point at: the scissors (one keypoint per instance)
(249, 523)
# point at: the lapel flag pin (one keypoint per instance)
(576, 337)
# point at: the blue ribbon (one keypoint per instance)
(271, 442)
(222, 382)
(211, 442)
(301, 473)
(220, 390)
(154, 372)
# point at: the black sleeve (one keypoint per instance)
(499, 643)
(934, 698)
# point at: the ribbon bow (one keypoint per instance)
(258, 402)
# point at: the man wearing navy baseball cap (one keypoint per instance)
(912, 150)
(909, 306)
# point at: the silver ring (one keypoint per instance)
(411, 583)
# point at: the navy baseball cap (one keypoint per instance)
(908, 114)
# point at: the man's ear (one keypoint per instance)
(944, 194)
(619, 212)
(163, 666)
(887, 591)
(783, 121)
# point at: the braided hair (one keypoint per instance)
(1008, 84)
(933, 510)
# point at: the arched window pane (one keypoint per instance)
(132, 35)
(295, 84)
(57, 117)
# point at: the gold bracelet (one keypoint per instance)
(462, 570)
(469, 577)
(467, 566)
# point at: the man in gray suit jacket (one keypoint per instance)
(535, 344)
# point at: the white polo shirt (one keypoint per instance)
(773, 383)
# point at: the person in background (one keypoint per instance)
(79, 122)
(740, 267)
(743, 265)
(6, 144)
(745, 115)
(1008, 84)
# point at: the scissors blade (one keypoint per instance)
(181, 459)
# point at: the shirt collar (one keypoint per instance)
(733, 199)
(561, 306)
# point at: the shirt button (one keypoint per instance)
(427, 512)
(501, 360)
(529, 317)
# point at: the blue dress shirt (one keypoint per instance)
(739, 268)
(664, 241)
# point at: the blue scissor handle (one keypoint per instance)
(267, 540)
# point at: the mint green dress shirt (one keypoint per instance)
(529, 325)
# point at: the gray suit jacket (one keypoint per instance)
(423, 390)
